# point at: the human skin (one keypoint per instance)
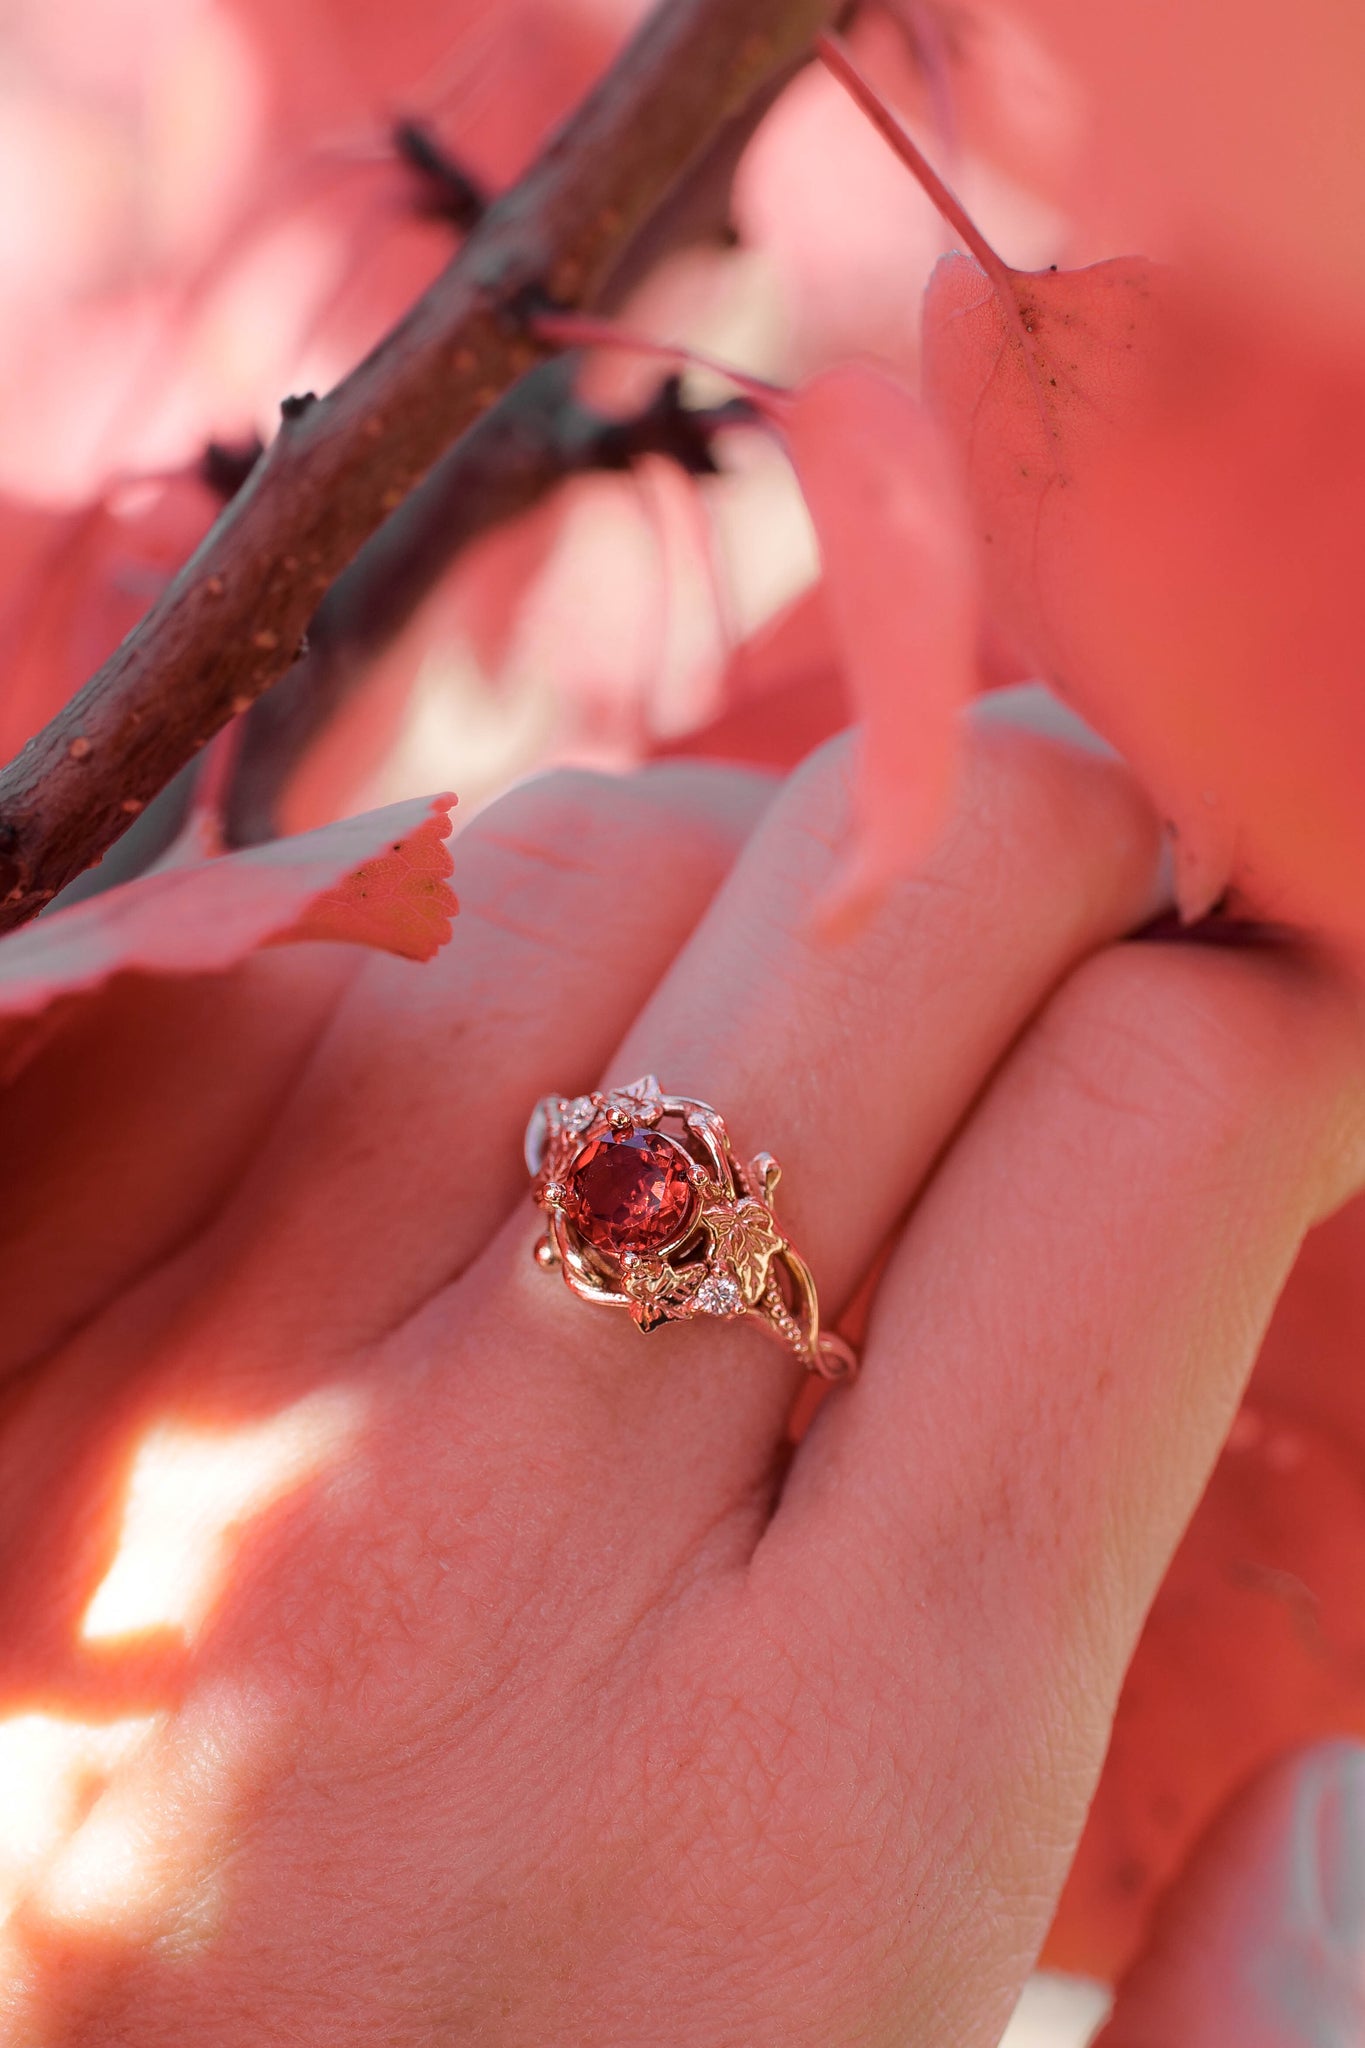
(553, 1697)
(1261, 1940)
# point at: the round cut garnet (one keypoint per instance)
(631, 1192)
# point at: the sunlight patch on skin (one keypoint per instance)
(104, 1875)
(142, 1815)
(107, 1826)
(190, 1493)
(146, 1857)
(51, 1773)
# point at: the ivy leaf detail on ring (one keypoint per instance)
(746, 1239)
(656, 1290)
(560, 1152)
(579, 1114)
(641, 1100)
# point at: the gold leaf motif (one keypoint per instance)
(746, 1238)
(560, 1151)
(657, 1290)
(647, 1279)
(639, 1100)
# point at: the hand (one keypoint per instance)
(513, 1681)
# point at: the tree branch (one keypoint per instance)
(538, 436)
(232, 620)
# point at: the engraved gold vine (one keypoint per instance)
(650, 1209)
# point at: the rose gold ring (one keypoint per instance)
(650, 1210)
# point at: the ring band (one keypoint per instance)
(650, 1210)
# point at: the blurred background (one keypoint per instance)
(207, 204)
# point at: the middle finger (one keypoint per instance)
(853, 1063)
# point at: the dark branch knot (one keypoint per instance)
(448, 191)
(666, 427)
(226, 465)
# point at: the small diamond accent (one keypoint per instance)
(720, 1294)
(579, 1113)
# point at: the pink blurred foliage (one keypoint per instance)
(785, 693)
(209, 202)
(205, 213)
(850, 251)
(487, 594)
(1231, 143)
(850, 237)
(881, 485)
(1168, 502)
(211, 216)
(380, 880)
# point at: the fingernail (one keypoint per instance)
(1034, 706)
(1162, 898)
(1338, 1849)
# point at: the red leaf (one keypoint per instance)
(397, 902)
(884, 497)
(1168, 512)
(378, 880)
(795, 645)
(782, 694)
(775, 731)
(494, 575)
(1229, 137)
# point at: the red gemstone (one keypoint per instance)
(631, 1193)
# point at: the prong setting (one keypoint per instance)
(649, 1209)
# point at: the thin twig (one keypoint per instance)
(231, 622)
(581, 330)
(1004, 281)
(838, 60)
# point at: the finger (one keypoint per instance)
(1056, 1352)
(400, 1150)
(1261, 1941)
(851, 1063)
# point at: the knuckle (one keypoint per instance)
(1191, 1043)
(552, 850)
(1033, 808)
(809, 822)
(586, 825)
(822, 784)
(1030, 815)
(556, 820)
